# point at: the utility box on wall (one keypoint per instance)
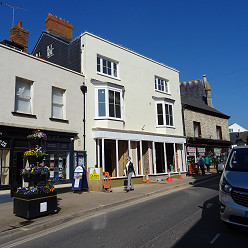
(95, 179)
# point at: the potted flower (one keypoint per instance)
(35, 155)
(26, 174)
(36, 201)
(36, 137)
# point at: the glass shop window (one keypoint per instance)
(59, 164)
(4, 167)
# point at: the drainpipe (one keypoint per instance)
(83, 88)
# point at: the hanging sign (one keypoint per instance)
(77, 178)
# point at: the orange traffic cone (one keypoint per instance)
(169, 176)
(147, 178)
(179, 174)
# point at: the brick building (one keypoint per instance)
(205, 128)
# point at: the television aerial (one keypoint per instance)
(13, 9)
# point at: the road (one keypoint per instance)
(185, 218)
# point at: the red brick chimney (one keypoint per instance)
(19, 35)
(58, 26)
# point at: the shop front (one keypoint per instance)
(59, 148)
(216, 150)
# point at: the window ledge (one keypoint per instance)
(107, 119)
(106, 75)
(58, 120)
(21, 114)
(163, 92)
(166, 127)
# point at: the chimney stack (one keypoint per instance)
(208, 91)
(19, 35)
(58, 26)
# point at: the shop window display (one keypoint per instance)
(58, 162)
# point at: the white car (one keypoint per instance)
(233, 188)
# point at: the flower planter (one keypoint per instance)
(33, 206)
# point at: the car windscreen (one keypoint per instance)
(238, 160)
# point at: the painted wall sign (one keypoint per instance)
(94, 173)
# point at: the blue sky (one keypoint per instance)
(196, 37)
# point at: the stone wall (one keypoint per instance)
(208, 125)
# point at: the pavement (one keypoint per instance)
(74, 205)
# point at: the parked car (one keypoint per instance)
(233, 188)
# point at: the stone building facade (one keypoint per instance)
(205, 128)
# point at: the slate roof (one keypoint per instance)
(233, 137)
(200, 106)
(194, 89)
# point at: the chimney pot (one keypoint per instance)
(19, 24)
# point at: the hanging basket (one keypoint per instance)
(34, 142)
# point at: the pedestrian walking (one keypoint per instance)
(201, 163)
(207, 163)
(129, 172)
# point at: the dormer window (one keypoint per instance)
(50, 51)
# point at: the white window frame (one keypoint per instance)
(112, 65)
(58, 104)
(164, 102)
(50, 51)
(165, 85)
(107, 88)
(24, 97)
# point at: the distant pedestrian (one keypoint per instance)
(207, 163)
(201, 163)
(129, 172)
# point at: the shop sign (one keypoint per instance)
(94, 173)
(191, 153)
(201, 150)
(64, 146)
(52, 146)
(217, 151)
(191, 150)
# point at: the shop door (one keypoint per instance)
(4, 167)
(17, 166)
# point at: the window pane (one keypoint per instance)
(111, 110)
(166, 86)
(58, 96)
(57, 111)
(104, 66)
(109, 68)
(98, 64)
(101, 102)
(101, 95)
(111, 96)
(23, 105)
(155, 83)
(117, 97)
(101, 109)
(162, 85)
(115, 70)
(160, 114)
(118, 111)
(159, 84)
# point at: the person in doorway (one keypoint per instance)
(201, 163)
(129, 172)
(207, 163)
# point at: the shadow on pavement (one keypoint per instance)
(210, 231)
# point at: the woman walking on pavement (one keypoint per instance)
(129, 172)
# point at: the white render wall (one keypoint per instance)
(137, 75)
(237, 128)
(44, 75)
